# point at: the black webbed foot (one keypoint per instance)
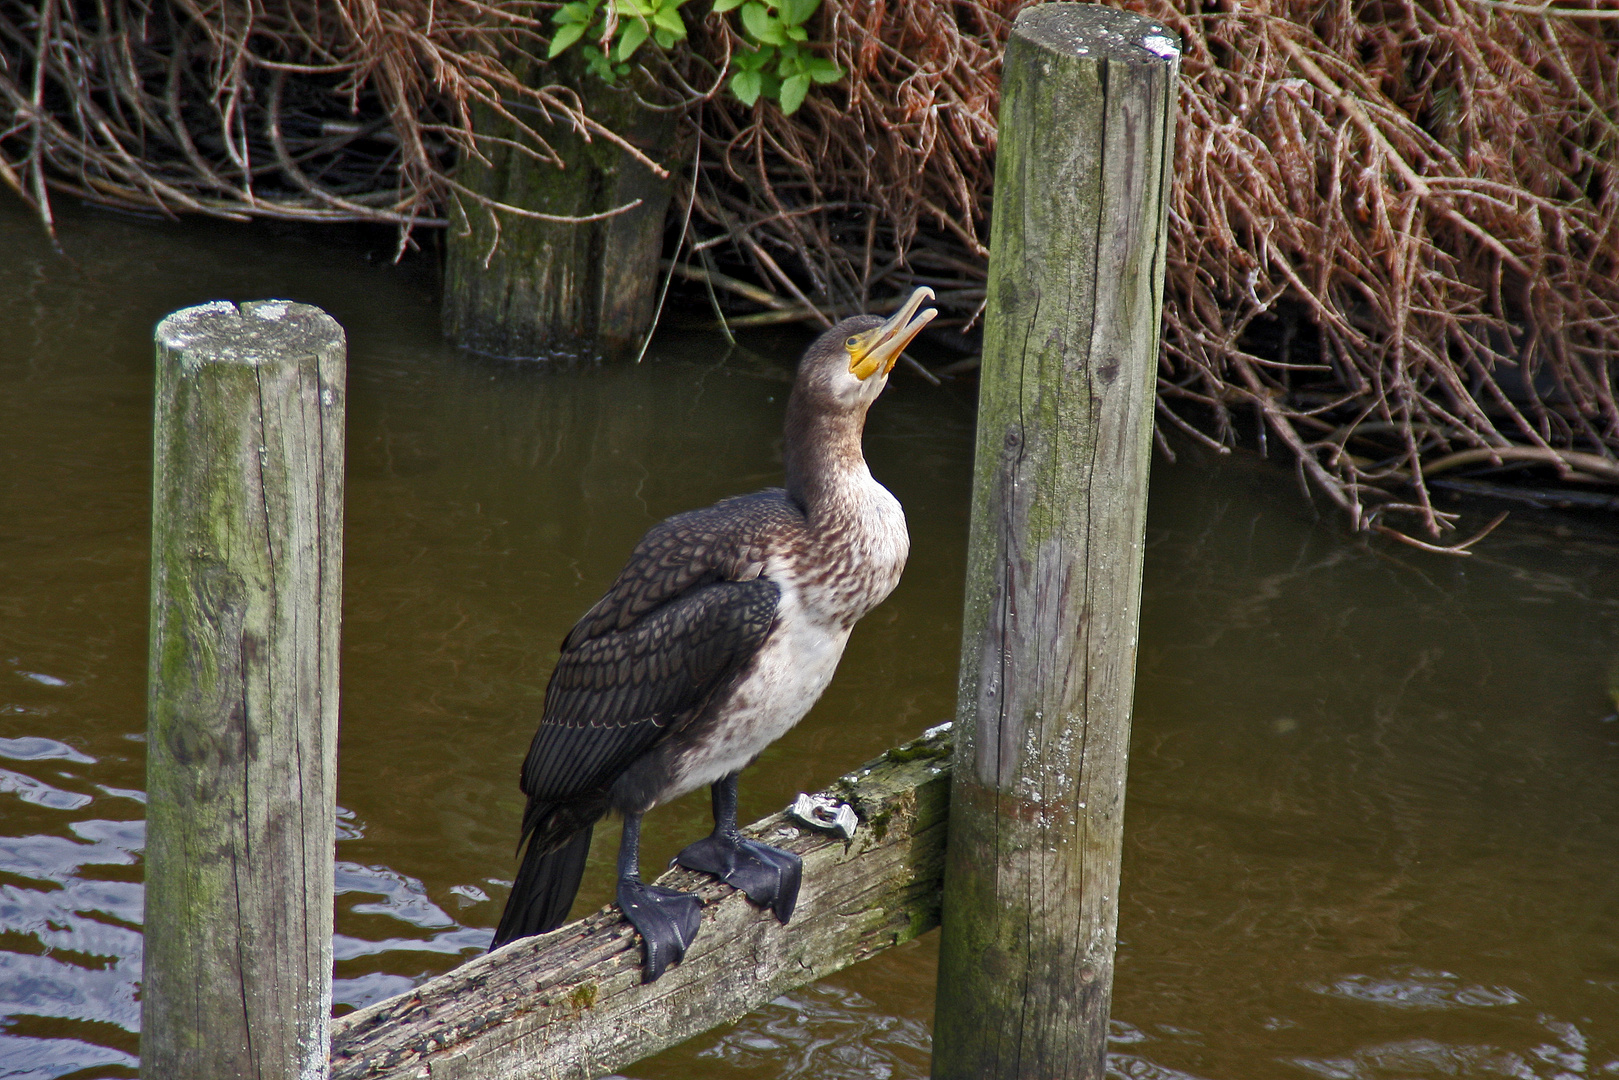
(666, 918)
(769, 876)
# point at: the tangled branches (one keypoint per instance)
(1392, 240)
(1392, 235)
(879, 184)
(311, 110)
(1428, 189)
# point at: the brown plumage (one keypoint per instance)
(721, 631)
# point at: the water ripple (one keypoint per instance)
(1419, 989)
(825, 1030)
(365, 990)
(38, 748)
(45, 1059)
(467, 938)
(57, 858)
(40, 793)
(404, 897)
(46, 986)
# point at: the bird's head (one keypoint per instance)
(848, 366)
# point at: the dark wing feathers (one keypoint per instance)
(614, 695)
(716, 543)
(685, 614)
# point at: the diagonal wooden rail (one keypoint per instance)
(571, 1004)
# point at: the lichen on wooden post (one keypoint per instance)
(247, 528)
(1054, 563)
(519, 286)
(571, 1004)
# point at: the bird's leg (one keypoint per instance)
(770, 876)
(666, 918)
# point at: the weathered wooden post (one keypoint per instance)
(247, 528)
(523, 286)
(1082, 184)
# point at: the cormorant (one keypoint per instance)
(717, 636)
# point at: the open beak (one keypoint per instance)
(879, 348)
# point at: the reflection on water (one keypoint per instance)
(1371, 830)
(819, 1031)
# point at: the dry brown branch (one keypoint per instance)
(1461, 548)
(1595, 467)
(1393, 238)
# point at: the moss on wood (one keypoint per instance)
(518, 286)
(241, 743)
(571, 1004)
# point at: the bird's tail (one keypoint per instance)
(546, 885)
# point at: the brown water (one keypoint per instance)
(1373, 825)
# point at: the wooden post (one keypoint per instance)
(1082, 183)
(247, 527)
(519, 286)
(570, 1005)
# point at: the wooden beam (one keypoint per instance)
(241, 745)
(1082, 186)
(571, 1005)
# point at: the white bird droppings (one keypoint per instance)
(1160, 46)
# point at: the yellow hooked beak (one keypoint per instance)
(878, 349)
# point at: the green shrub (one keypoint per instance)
(781, 65)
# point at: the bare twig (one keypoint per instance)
(1394, 221)
(1441, 549)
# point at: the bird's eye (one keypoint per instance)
(851, 343)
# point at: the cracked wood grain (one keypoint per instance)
(570, 1004)
(1054, 555)
(247, 528)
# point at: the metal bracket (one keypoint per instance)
(825, 812)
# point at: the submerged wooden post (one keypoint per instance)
(247, 528)
(523, 286)
(1082, 184)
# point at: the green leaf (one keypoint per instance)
(745, 85)
(761, 24)
(564, 37)
(797, 33)
(598, 64)
(823, 70)
(622, 69)
(792, 93)
(794, 61)
(573, 13)
(631, 34)
(722, 6)
(669, 19)
(797, 12)
(753, 61)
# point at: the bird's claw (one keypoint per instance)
(769, 876)
(667, 920)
